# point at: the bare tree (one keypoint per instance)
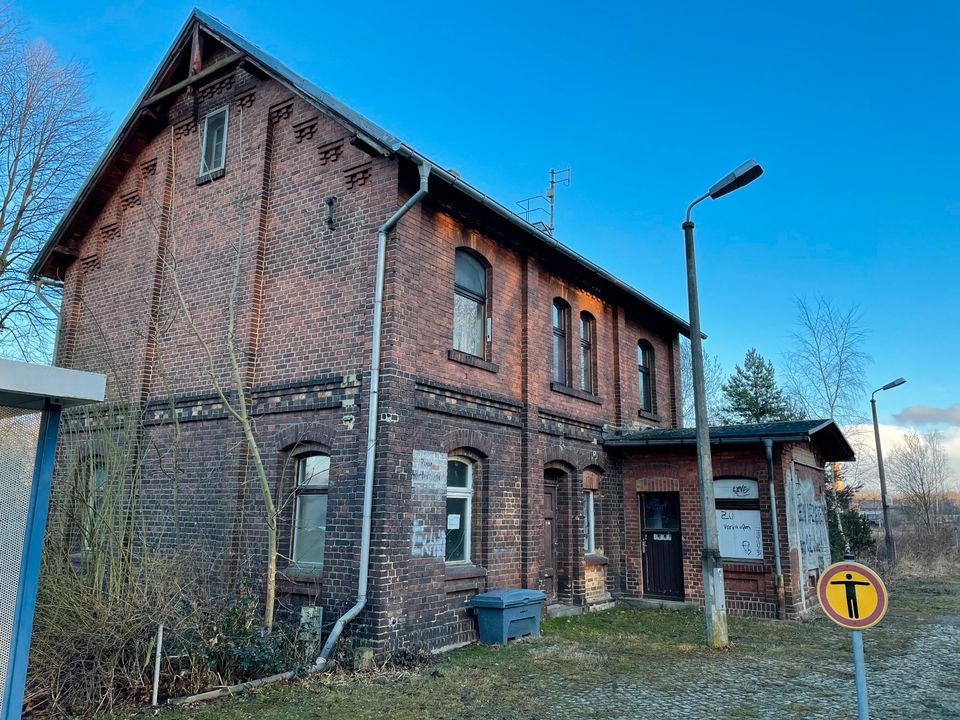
(223, 342)
(713, 377)
(827, 366)
(49, 138)
(919, 471)
(826, 373)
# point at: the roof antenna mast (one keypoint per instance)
(529, 206)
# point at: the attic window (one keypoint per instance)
(213, 144)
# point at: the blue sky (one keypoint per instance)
(853, 108)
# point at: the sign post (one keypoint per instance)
(854, 597)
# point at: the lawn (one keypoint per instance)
(633, 663)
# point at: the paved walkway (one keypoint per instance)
(922, 682)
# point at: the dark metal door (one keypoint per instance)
(549, 572)
(661, 545)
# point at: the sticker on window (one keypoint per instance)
(453, 522)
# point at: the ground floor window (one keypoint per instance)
(310, 509)
(738, 518)
(589, 533)
(459, 509)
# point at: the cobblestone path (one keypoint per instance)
(921, 682)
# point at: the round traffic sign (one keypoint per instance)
(852, 595)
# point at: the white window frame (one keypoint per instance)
(297, 493)
(464, 493)
(203, 141)
(589, 523)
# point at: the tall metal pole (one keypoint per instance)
(887, 534)
(860, 672)
(714, 601)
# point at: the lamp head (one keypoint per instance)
(894, 383)
(743, 175)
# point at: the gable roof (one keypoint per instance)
(367, 132)
(825, 433)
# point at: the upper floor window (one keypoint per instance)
(561, 325)
(645, 375)
(459, 509)
(310, 509)
(588, 374)
(213, 144)
(469, 303)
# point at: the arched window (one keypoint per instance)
(561, 325)
(588, 370)
(645, 375)
(310, 509)
(469, 304)
(459, 509)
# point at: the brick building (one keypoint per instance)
(527, 400)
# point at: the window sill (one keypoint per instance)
(211, 176)
(595, 559)
(573, 392)
(464, 571)
(647, 415)
(472, 360)
(301, 573)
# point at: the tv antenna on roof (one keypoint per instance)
(530, 206)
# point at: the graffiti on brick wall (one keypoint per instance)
(429, 493)
(811, 522)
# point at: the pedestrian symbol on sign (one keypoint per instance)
(853, 611)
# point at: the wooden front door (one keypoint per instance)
(549, 571)
(661, 545)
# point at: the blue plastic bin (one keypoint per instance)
(507, 614)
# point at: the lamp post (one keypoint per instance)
(714, 603)
(887, 535)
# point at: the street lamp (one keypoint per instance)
(887, 535)
(714, 603)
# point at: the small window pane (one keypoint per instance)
(589, 540)
(214, 141)
(456, 529)
(585, 323)
(458, 474)
(470, 274)
(314, 471)
(559, 319)
(559, 359)
(467, 325)
(586, 374)
(661, 512)
(310, 528)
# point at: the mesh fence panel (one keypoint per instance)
(19, 431)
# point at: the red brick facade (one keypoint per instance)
(303, 197)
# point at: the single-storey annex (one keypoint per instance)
(446, 398)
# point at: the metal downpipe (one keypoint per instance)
(775, 525)
(372, 413)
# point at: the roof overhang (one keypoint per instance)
(828, 437)
(28, 386)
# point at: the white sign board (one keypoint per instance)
(739, 533)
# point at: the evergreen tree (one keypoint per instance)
(751, 394)
(847, 525)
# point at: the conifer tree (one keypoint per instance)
(751, 394)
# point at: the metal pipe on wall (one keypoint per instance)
(775, 527)
(372, 412)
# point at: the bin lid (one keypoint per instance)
(507, 597)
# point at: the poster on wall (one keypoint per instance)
(739, 533)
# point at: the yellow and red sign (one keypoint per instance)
(852, 595)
